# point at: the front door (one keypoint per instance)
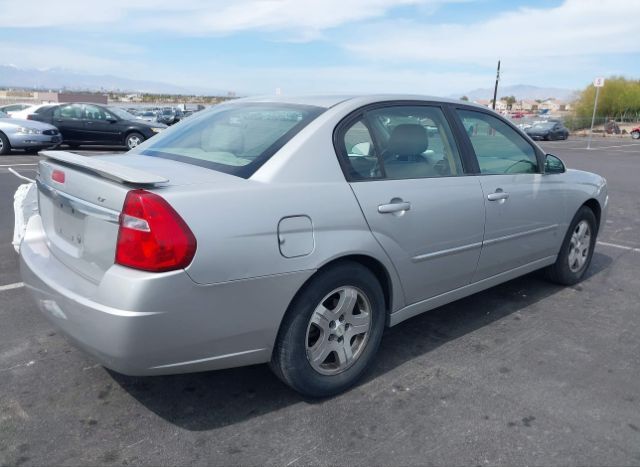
(406, 172)
(100, 126)
(524, 207)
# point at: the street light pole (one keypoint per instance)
(495, 90)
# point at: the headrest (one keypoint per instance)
(223, 138)
(408, 139)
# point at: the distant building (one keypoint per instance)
(82, 97)
(555, 105)
(39, 97)
(501, 105)
(484, 102)
(46, 97)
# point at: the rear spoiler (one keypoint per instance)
(116, 172)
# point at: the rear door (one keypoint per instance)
(406, 171)
(524, 209)
(68, 119)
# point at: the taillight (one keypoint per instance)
(30, 117)
(152, 235)
(57, 176)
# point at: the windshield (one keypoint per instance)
(148, 114)
(167, 111)
(235, 138)
(123, 114)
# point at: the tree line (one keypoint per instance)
(619, 100)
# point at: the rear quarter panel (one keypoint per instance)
(236, 226)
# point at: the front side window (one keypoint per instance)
(233, 138)
(93, 112)
(498, 147)
(410, 142)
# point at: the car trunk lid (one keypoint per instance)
(80, 199)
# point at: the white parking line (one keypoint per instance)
(15, 285)
(618, 146)
(14, 165)
(622, 247)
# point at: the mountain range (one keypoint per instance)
(58, 78)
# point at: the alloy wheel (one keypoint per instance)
(133, 141)
(580, 246)
(338, 330)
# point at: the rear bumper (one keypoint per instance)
(140, 323)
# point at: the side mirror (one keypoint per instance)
(553, 165)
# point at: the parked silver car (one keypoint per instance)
(292, 231)
(16, 133)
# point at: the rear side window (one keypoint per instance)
(498, 147)
(236, 139)
(408, 142)
(73, 111)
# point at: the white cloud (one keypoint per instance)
(307, 18)
(575, 28)
(50, 56)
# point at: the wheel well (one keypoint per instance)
(6, 138)
(129, 131)
(594, 205)
(373, 265)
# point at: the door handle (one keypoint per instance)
(397, 206)
(497, 196)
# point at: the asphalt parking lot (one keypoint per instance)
(526, 373)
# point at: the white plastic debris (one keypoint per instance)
(25, 204)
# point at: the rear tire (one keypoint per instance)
(577, 249)
(635, 134)
(331, 331)
(5, 145)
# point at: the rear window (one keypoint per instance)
(235, 138)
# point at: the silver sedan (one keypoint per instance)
(30, 135)
(293, 231)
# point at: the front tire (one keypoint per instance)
(635, 134)
(133, 139)
(331, 332)
(5, 145)
(577, 249)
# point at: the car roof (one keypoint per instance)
(328, 101)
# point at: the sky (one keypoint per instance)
(437, 47)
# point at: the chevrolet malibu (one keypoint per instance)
(293, 231)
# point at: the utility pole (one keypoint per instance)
(495, 90)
